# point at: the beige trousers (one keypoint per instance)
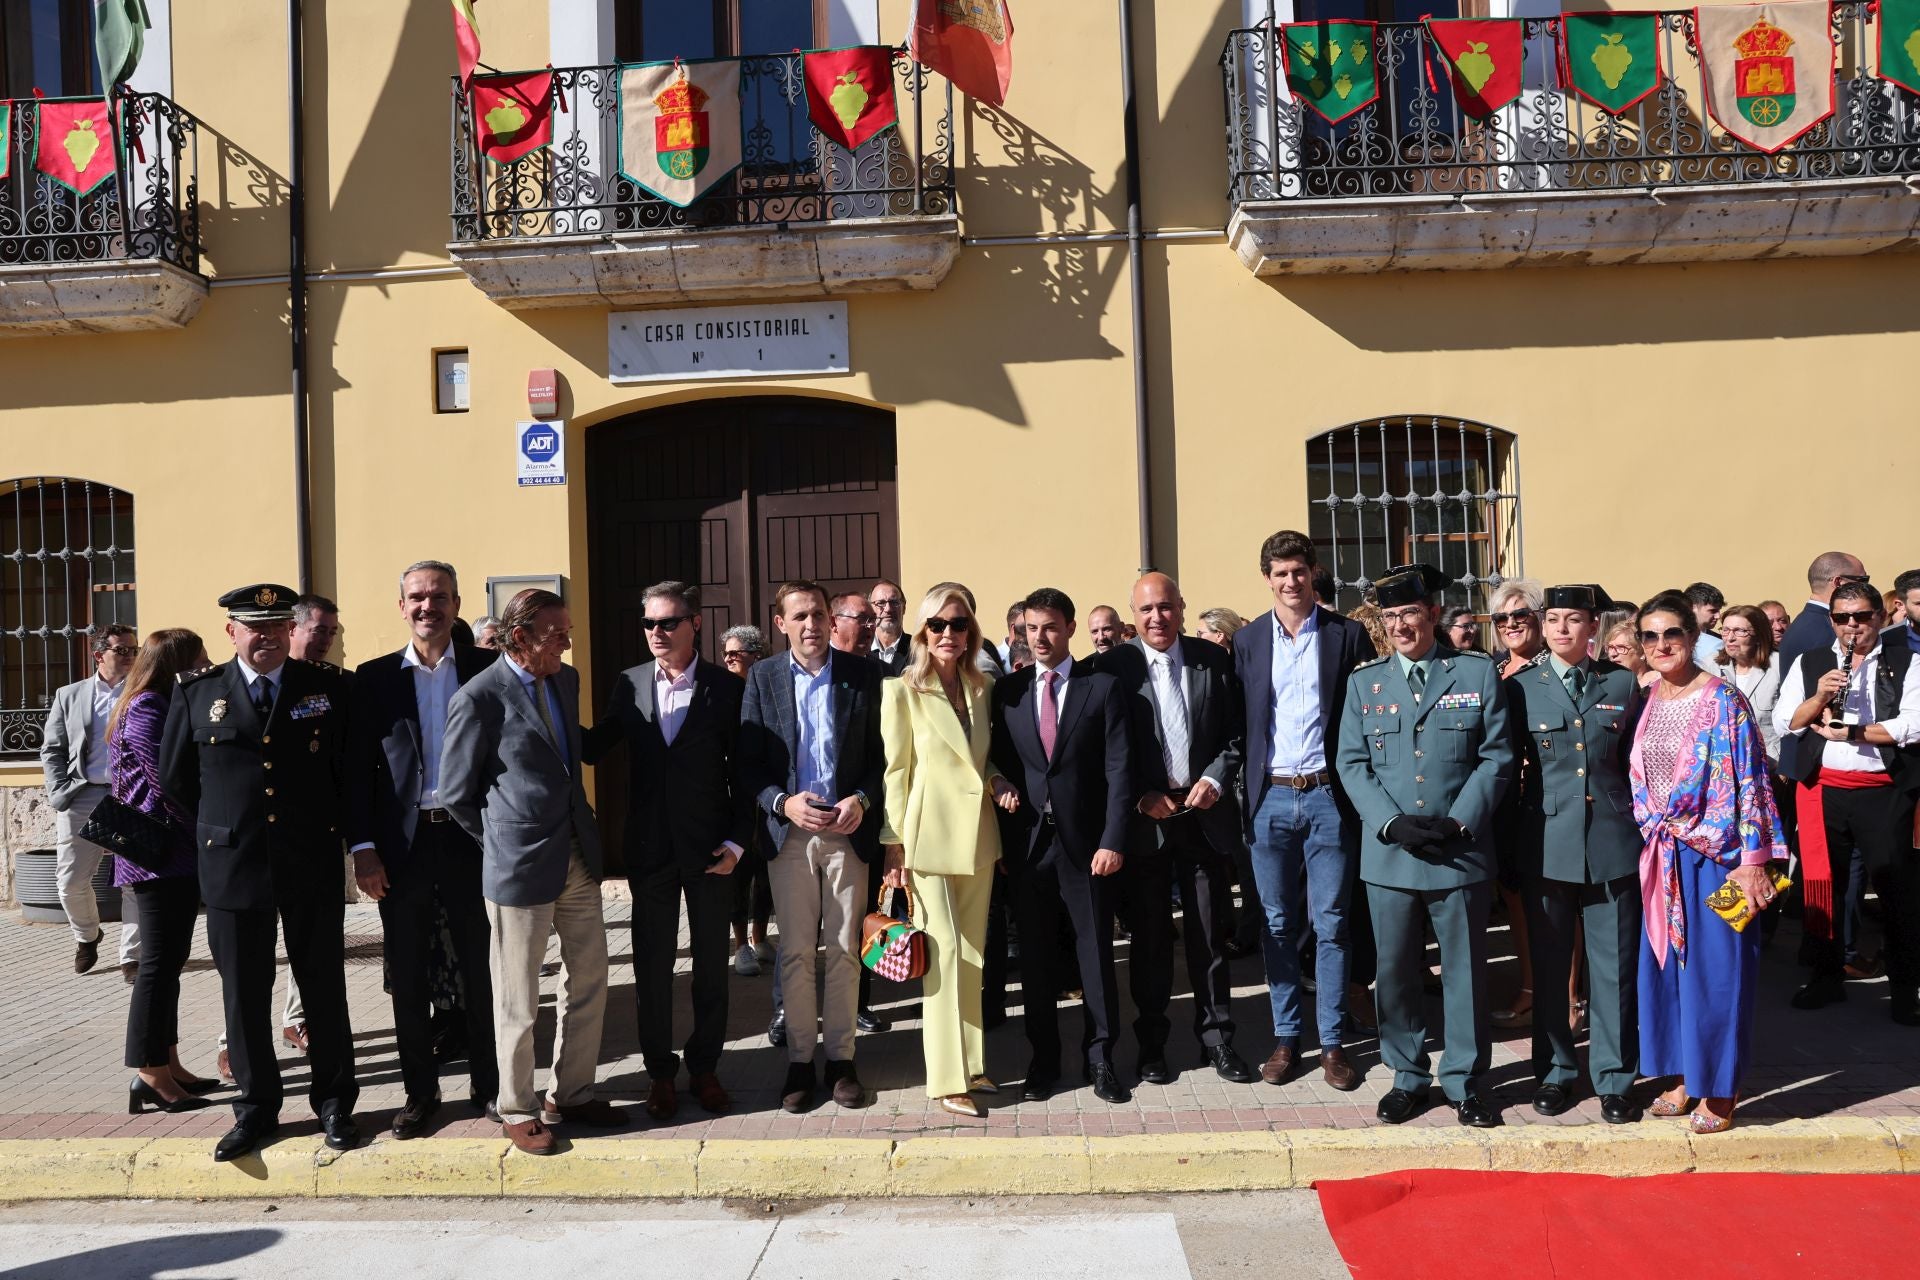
(819, 891)
(519, 946)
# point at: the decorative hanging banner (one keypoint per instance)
(513, 115)
(466, 40)
(970, 42)
(1900, 43)
(1483, 57)
(680, 126)
(1330, 66)
(6, 138)
(850, 93)
(76, 144)
(1610, 59)
(1767, 68)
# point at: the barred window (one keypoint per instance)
(66, 570)
(1416, 487)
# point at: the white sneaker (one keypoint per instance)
(744, 963)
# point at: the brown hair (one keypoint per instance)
(797, 586)
(162, 660)
(519, 615)
(1288, 544)
(1752, 615)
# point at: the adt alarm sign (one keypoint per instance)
(540, 452)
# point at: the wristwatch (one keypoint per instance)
(1855, 732)
(780, 804)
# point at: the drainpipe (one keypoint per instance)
(297, 311)
(1131, 127)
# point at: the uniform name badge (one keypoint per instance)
(314, 704)
(218, 711)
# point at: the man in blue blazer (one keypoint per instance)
(1293, 663)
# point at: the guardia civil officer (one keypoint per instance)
(1578, 851)
(1425, 758)
(254, 750)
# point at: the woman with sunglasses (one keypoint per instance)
(1706, 811)
(939, 833)
(1518, 606)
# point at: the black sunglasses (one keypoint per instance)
(1502, 619)
(1864, 615)
(938, 626)
(1670, 635)
(669, 625)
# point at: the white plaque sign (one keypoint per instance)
(759, 340)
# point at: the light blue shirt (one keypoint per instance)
(1706, 650)
(1297, 744)
(553, 706)
(813, 713)
(1424, 662)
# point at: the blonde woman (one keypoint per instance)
(939, 833)
(1218, 625)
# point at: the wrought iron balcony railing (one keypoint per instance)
(1415, 140)
(789, 173)
(148, 209)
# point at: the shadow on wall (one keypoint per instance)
(243, 211)
(163, 1253)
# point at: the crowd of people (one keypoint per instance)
(1632, 783)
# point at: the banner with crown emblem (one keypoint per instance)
(1899, 44)
(1483, 60)
(76, 144)
(1767, 69)
(1330, 66)
(1611, 59)
(680, 126)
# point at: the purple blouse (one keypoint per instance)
(134, 756)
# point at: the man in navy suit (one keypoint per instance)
(1293, 663)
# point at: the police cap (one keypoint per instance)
(261, 602)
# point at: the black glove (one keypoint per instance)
(1411, 834)
(1443, 829)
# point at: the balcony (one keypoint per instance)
(125, 256)
(1409, 183)
(801, 218)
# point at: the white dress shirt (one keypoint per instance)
(1857, 708)
(1168, 672)
(253, 677)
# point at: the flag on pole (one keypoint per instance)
(466, 40)
(850, 93)
(1900, 43)
(76, 144)
(1767, 69)
(680, 126)
(513, 114)
(6, 138)
(1483, 57)
(1610, 59)
(970, 42)
(1330, 66)
(119, 35)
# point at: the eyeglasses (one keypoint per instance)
(939, 626)
(668, 625)
(1518, 616)
(1672, 635)
(1395, 617)
(732, 656)
(1864, 615)
(1736, 633)
(864, 619)
(122, 651)
(1619, 650)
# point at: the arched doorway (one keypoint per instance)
(736, 496)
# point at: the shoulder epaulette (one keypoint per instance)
(188, 677)
(1372, 662)
(319, 665)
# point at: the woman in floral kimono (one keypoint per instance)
(1706, 811)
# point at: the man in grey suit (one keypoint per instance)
(1578, 848)
(73, 751)
(510, 775)
(1425, 758)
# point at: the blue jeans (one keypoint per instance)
(1303, 855)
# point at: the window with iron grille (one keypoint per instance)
(66, 570)
(1416, 487)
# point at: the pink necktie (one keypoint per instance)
(1049, 713)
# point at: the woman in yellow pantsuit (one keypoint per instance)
(939, 833)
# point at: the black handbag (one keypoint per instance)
(123, 830)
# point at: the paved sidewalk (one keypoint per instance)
(61, 1041)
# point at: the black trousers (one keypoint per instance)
(1867, 828)
(165, 910)
(752, 891)
(657, 892)
(1205, 875)
(242, 942)
(444, 860)
(1143, 894)
(1046, 889)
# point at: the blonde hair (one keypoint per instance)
(919, 674)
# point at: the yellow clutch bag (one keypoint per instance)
(1730, 904)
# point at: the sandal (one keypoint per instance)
(1706, 1120)
(1666, 1107)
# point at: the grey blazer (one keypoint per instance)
(508, 787)
(63, 742)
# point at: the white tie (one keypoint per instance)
(1174, 737)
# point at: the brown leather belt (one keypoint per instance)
(1301, 782)
(435, 815)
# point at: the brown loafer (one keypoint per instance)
(847, 1090)
(296, 1035)
(662, 1102)
(531, 1137)
(712, 1095)
(1338, 1069)
(1278, 1067)
(596, 1113)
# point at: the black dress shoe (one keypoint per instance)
(1107, 1086)
(1552, 1099)
(141, 1095)
(1618, 1108)
(1238, 950)
(241, 1140)
(1474, 1113)
(1400, 1105)
(411, 1120)
(339, 1131)
(489, 1107)
(1820, 993)
(1154, 1069)
(200, 1088)
(1039, 1084)
(1230, 1065)
(870, 1022)
(777, 1029)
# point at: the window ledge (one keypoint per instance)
(646, 268)
(1576, 228)
(118, 295)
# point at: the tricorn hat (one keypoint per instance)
(1408, 584)
(1579, 595)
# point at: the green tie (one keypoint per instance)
(1576, 683)
(1417, 677)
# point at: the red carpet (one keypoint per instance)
(1437, 1224)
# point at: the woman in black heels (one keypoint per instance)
(165, 901)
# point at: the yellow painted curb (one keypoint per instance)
(183, 1169)
(67, 1168)
(1620, 1151)
(990, 1167)
(1838, 1144)
(1906, 1135)
(1258, 1160)
(418, 1167)
(795, 1168)
(604, 1169)
(1356, 1153)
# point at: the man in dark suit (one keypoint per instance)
(255, 749)
(408, 852)
(1293, 663)
(1188, 735)
(811, 760)
(686, 830)
(892, 646)
(1060, 735)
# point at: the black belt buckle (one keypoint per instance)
(436, 815)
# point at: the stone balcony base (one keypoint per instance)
(117, 295)
(1483, 231)
(650, 268)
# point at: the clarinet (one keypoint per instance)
(1837, 707)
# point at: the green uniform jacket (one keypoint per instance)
(1447, 756)
(1572, 808)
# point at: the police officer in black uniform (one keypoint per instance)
(254, 749)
